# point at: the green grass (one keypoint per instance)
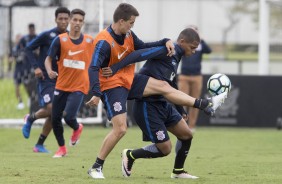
(217, 156)
(9, 102)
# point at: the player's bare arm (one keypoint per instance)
(52, 74)
(107, 72)
(94, 101)
(170, 48)
(38, 73)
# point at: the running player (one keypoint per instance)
(23, 70)
(74, 52)
(112, 45)
(46, 85)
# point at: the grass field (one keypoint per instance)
(217, 156)
(9, 102)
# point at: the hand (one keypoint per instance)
(107, 72)
(170, 48)
(185, 117)
(52, 74)
(38, 73)
(94, 101)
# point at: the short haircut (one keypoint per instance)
(193, 27)
(61, 10)
(77, 11)
(189, 35)
(31, 26)
(124, 11)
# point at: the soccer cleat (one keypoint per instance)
(126, 163)
(62, 151)
(218, 100)
(96, 173)
(38, 148)
(26, 127)
(75, 135)
(182, 174)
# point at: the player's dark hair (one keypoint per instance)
(125, 11)
(61, 10)
(189, 35)
(77, 11)
(31, 25)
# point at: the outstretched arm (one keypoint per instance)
(134, 57)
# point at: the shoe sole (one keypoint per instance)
(176, 177)
(124, 172)
(73, 144)
(59, 156)
(88, 172)
(37, 151)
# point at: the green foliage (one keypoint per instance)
(251, 7)
(217, 155)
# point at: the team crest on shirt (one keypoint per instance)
(88, 40)
(160, 135)
(52, 34)
(64, 39)
(113, 44)
(117, 106)
(46, 98)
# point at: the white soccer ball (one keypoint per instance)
(218, 83)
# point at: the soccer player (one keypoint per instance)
(74, 52)
(190, 80)
(46, 85)
(112, 45)
(22, 73)
(154, 114)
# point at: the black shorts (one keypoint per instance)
(114, 101)
(138, 86)
(22, 73)
(46, 92)
(153, 118)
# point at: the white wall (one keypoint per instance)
(158, 18)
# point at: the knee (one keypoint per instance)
(49, 109)
(165, 148)
(68, 118)
(186, 136)
(166, 151)
(120, 131)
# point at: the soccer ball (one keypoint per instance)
(218, 83)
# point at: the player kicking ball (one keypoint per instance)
(153, 114)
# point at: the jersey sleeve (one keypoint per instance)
(54, 49)
(31, 46)
(138, 56)
(206, 49)
(100, 57)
